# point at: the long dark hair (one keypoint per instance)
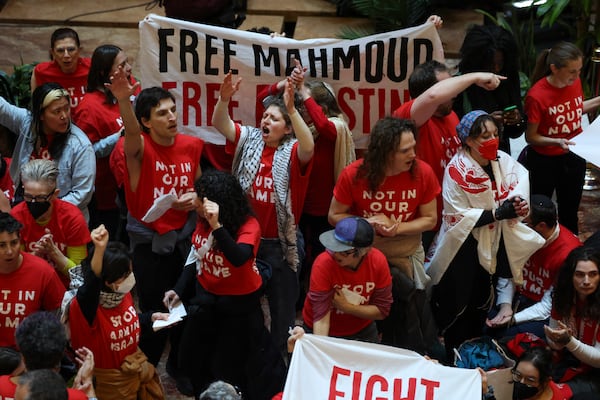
(37, 109)
(225, 190)
(385, 137)
(102, 63)
(564, 294)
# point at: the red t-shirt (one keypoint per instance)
(34, 286)
(166, 169)
(560, 391)
(114, 335)
(262, 195)
(437, 143)
(327, 276)
(218, 275)
(67, 226)
(118, 166)
(75, 83)
(540, 270)
(558, 112)
(6, 183)
(8, 389)
(398, 197)
(98, 120)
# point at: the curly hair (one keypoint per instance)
(9, 224)
(385, 138)
(481, 43)
(225, 190)
(41, 338)
(565, 294)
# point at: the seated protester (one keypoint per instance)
(42, 339)
(574, 330)
(122, 371)
(53, 229)
(10, 362)
(350, 284)
(20, 273)
(41, 384)
(532, 378)
(534, 298)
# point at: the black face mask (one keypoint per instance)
(521, 391)
(37, 209)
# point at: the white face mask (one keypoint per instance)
(126, 285)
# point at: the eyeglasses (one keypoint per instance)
(39, 198)
(527, 380)
(351, 252)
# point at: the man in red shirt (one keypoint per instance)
(350, 284)
(27, 283)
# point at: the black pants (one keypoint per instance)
(154, 275)
(564, 174)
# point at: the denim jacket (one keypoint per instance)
(76, 166)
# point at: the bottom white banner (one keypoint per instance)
(329, 368)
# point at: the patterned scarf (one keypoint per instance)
(110, 300)
(245, 167)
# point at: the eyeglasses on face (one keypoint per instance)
(39, 198)
(346, 253)
(527, 380)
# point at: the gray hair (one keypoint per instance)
(220, 390)
(40, 170)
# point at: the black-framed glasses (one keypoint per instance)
(346, 253)
(39, 198)
(527, 380)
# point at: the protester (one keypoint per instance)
(170, 163)
(554, 106)
(493, 49)
(103, 318)
(574, 326)
(66, 67)
(396, 192)
(43, 384)
(350, 285)
(334, 149)
(533, 301)
(432, 90)
(53, 229)
(273, 165)
(21, 273)
(42, 339)
(99, 117)
(222, 291)
(47, 132)
(481, 243)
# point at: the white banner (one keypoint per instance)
(330, 368)
(369, 75)
(587, 143)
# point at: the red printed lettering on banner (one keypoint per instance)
(348, 384)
